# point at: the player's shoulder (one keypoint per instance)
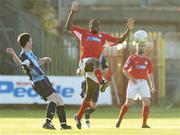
(22, 53)
(103, 33)
(132, 56)
(147, 58)
(25, 54)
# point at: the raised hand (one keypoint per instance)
(10, 51)
(130, 24)
(74, 7)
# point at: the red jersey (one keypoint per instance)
(91, 44)
(139, 66)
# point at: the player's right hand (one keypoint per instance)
(75, 7)
(10, 51)
(153, 90)
(130, 24)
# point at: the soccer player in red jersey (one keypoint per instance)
(138, 69)
(92, 44)
(92, 107)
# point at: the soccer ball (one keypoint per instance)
(140, 36)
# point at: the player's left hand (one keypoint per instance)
(130, 24)
(47, 59)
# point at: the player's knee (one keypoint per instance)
(89, 66)
(129, 102)
(146, 102)
(56, 99)
(96, 64)
(87, 99)
(52, 100)
(93, 105)
(59, 100)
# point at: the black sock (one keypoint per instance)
(61, 115)
(88, 112)
(50, 110)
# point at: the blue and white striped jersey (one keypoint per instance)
(34, 70)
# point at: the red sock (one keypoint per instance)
(124, 109)
(145, 113)
(108, 75)
(98, 74)
(82, 109)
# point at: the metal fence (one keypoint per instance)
(61, 48)
(64, 53)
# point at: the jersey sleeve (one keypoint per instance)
(37, 58)
(25, 63)
(77, 31)
(150, 67)
(110, 39)
(23, 57)
(128, 63)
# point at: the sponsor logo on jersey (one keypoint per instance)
(140, 66)
(91, 38)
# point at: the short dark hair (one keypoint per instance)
(93, 20)
(23, 38)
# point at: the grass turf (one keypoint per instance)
(28, 121)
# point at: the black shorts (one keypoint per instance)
(95, 96)
(44, 88)
(83, 92)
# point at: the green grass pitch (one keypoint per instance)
(28, 121)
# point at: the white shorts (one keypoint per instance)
(90, 75)
(139, 90)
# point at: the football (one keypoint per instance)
(140, 36)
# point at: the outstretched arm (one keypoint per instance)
(15, 57)
(44, 60)
(70, 18)
(130, 27)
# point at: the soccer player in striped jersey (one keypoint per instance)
(31, 65)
